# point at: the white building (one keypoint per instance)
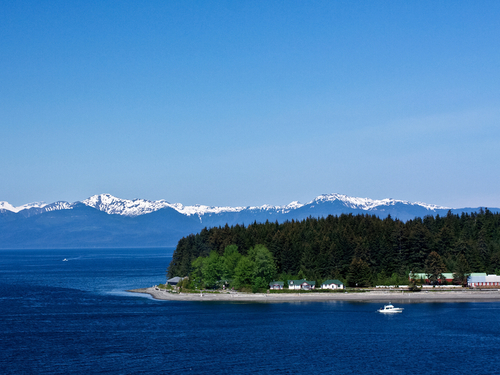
(332, 284)
(302, 284)
(482, 280)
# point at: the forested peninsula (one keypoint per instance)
(361, 250)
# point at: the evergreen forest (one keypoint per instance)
(360, 250)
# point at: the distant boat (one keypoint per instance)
(390, 309)
(65, 260)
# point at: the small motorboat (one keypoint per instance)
(390, 309)
(65, 260)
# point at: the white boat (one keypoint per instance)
(65, 260)
(389, 309)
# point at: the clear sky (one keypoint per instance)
(250, 102)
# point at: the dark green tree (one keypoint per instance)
(494, 265)
(359, 273)
(462, 271)
(434, 267)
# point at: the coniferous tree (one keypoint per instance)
(419, 246)
(359, 273)
(482, 247)
(462, 271)
(434, 267)
(494, 264)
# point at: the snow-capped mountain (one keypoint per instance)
(6, 206)
(107, 221)
(367, 204)
(136, 207)
(117, 206)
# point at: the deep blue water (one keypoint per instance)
(75, 317)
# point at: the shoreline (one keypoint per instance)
(371, 296)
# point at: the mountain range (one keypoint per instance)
(106, 221)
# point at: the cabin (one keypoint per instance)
(276, 285)
(302, 284)
(332, 284)
(174, 280)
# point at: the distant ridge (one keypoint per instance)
(136, 207)
(107, 221)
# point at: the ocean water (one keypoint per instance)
(76, 317)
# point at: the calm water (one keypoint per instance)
(74, 317)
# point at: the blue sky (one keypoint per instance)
(250, 102)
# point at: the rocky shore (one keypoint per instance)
(369, 296)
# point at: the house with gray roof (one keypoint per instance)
(174, 280)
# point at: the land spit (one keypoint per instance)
(369, 296)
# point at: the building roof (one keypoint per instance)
(482, 278)
(336, 282)
(422, 275)
(175, 279)
(476, 279)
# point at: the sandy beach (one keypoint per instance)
(371, 296)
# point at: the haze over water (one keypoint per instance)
(75, 317)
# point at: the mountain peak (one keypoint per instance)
(117, 206)
(8, 207)
(368, 204)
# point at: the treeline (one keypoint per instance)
(330, 247)
(232, 269)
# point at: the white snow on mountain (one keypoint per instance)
(281, 209)
(136, 207)
(126, 207)
(200, 210)
(60, 205)
(8, 207)
(431, 206)
(116, 206)
(368, 204)
(293, 205)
